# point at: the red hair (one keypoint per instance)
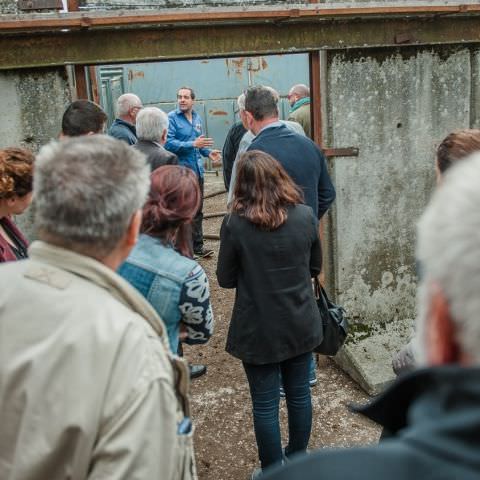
(172, 203)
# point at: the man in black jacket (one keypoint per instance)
(301, 158)
(230, 147)
(432, 413)
(152, 127)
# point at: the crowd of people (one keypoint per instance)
(93, 313)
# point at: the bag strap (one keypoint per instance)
(320, 293)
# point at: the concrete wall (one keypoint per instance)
(33, 103)
(8, 7)
(395, 106)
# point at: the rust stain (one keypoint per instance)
(135, 74)
(264, 64)
(218, 112)
(235, 65)
(205, 61)
(238, 63)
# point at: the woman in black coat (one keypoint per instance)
(269, 251)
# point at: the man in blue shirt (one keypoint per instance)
(185, 138)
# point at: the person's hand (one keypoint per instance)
(216, 158)
(202, 141)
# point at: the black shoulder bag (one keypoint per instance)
(334, 320)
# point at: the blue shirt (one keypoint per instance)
(180, 138)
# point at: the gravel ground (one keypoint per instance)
(224, 438)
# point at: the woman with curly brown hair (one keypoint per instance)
(16, 173)
(269, 252)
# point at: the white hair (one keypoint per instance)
(127, 101)
(301, 90)
(449, 253)
(241, 102)
(86, 190)
(151, 123)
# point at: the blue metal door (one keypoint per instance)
(217, 84)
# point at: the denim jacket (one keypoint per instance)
(176, 287)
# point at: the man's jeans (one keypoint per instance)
(264, 381)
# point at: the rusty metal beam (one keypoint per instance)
(235, 15)
(81, 82)
(315, 97)
(341, 152)
(90, 46)
(94, 84)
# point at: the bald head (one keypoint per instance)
(297, 92)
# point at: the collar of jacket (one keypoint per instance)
(130, 126)
(426, 395)
(102, 276)
(299, 103)
(180, 112)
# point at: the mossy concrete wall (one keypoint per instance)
(33, 102)
(395, 106)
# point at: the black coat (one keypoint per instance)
(230, 149)
(302, 160)
(275, 316)
(434, 417)
(156, 154)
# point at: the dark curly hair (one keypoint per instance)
(16, 172)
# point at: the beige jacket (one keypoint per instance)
(302, 116)
(86, 386)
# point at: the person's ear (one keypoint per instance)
(133, 229)
(164, 136)
(442, 347)
(250, 119)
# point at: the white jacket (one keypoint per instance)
(86, 386)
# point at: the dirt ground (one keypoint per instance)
(224, 438)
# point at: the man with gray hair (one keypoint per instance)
(434, 412)
(87, 386)
(248, 137)
(123, 128)
(152, 127)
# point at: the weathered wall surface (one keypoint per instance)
(33, 104)
(395, 106)
(8, 7)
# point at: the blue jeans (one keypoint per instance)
(264, 381)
